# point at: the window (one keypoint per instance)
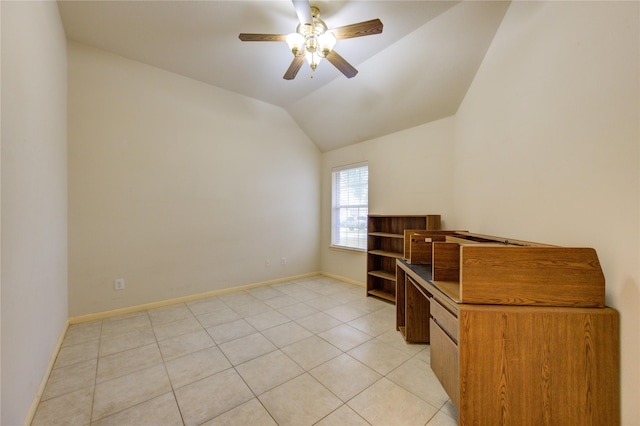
(350, 192)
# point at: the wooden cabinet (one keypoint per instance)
(530, 344)
(385, 244)
(540, 365)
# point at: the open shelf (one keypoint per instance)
(385, 235)
(382, 295)
(384, 275)
(385, 244)
(393, 254)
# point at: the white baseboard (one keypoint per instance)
(107, 314)
(151, 305)
(36, 400)
(347, 280)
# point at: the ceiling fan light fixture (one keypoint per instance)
(313, 58)
(312, 40)
(326, 42)
(296, 43)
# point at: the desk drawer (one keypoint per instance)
(445, 319)
(445, 362)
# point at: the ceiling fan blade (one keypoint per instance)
(339, 62)
(303, 10)
(360, 29)
(294, 67)
(262, 37)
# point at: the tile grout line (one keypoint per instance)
(322, 308)
(95, 378)
(166, 370)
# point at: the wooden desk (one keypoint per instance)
(517, 360)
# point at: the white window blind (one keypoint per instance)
(350, 206)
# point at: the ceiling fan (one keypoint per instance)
(313, 41)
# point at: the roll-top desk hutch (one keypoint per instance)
(519, 331)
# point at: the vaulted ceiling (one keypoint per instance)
(417, 71)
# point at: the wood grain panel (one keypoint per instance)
(445, 319)
(417, 314)
(417, 250)
(408, 235)
(359, 29)
(262, 37)
(445, 362)
(551, 276)
(401, 278)
(539, 366)
(446, 261)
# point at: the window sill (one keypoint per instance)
(348, 249)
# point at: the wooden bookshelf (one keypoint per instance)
(385, 244)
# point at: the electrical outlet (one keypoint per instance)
(119, 284)
(283, 261)
(267, 263)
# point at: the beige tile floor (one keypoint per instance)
(313, 351)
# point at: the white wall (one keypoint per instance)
(546, 149)
(410, 172)
(34, 199)
(547, 146)
(179, 187)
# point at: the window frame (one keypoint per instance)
(360, 235)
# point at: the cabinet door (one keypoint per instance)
(538, 365)
(445, 362)
(417, 313)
